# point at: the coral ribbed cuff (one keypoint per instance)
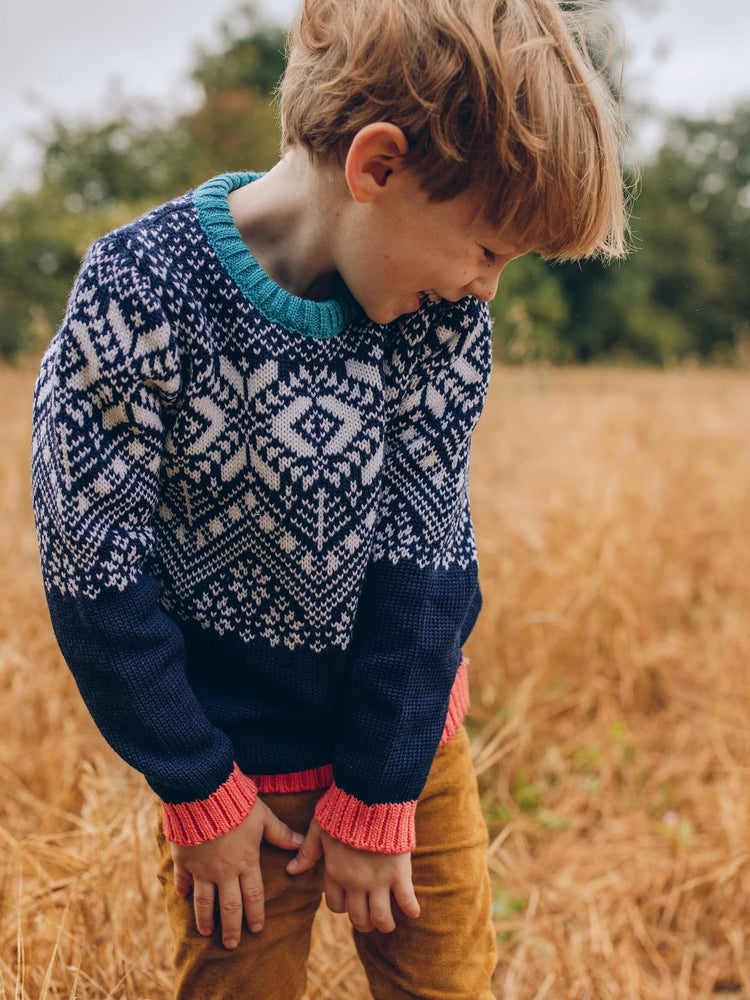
(295, 781)
(191, 823)
(459, 702)
(387, 828)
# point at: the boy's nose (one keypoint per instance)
(485, 286)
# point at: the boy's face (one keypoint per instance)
(401, 247)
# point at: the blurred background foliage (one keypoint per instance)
(681, 296)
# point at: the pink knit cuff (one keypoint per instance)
(459, 702)
(387, 828)
(295, 781)
(191, 823)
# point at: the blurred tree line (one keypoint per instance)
(683, 294)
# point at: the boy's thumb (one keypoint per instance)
(278, 833)
(310, 851)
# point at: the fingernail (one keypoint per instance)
(293, 865)
(256, 927)
(297, 839)
(231, 943)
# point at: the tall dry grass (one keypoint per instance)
(609, 716)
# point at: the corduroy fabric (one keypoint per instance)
(447, 953)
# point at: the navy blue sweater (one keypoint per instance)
(254, 527)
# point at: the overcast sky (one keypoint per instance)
(67, 55)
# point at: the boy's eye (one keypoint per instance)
(488, 254)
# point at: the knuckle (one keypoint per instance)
(231, 906)
(253, 893)
(204, 902)
(250, 860)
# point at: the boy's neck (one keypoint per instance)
(285, 220)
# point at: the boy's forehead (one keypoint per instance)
(464, 214)
(500, 238)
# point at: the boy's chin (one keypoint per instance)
(389, 313)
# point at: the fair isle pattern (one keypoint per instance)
(255, 471)
(98, 428)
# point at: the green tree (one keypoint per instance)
(529, 313)
(683, 291)
(143, 151)
(251, 56)
(98, 175)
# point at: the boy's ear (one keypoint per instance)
(377, 152)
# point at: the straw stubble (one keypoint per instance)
(609, 713)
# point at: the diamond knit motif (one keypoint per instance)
(254, 527)
(270, 493)
(254, 471)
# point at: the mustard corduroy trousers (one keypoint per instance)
(447, 953)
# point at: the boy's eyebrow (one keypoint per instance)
(501, 246)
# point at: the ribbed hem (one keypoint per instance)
(322, 777)
(458, 705)
(387, 828)
(192, 823)
(295, 781)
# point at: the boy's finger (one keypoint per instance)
(380, 911)
(359, 912)
(203, 905)
(407, 900)
(278, 833)
(310, 851)
(335, 896)
(183, 880)
(230, 912)
(253, 898)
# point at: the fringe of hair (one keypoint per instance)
(506, 98)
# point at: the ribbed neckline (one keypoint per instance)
(304, 316)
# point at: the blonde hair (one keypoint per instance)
(499, 97)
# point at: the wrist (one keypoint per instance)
(193, 823)
(383, 828)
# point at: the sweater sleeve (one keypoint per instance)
(103, 394)
(420, 597)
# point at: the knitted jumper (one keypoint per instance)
(253, 519)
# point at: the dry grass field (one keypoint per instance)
(610, 713)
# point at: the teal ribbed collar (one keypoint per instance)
(303, 316)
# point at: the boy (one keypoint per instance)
(250, 474)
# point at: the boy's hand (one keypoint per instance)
(357, 882)
(231, 865)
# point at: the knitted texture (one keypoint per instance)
(253, 518)
(195, 822)
(322, 777)
(386, 829)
